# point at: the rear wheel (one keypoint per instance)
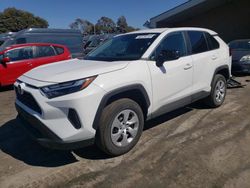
(120, 127)
(218, 92)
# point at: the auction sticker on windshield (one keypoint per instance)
(149, 36)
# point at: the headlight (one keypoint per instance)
(65, 88)
(245, 59)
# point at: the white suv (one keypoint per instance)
(133, 77)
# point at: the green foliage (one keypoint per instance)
(122, 24)
(83, 25)
(103, 25)
(12, 19)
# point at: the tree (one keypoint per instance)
(12, 19)
(105, 25)
(122, 24)
(85, 26)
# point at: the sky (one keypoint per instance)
(60, 13)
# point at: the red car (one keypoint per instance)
(18, 59)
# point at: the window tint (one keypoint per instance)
(59, 50)
(20, 54)
(173, 42)
(1, 57)
(44, 51)
(198, 42)
(212, 42)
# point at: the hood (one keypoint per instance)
(73, 69)
(238, 54)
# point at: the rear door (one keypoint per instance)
(21, 60)
(44, 55)
(203, 61)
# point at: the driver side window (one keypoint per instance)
(173, 42)
(20, 54)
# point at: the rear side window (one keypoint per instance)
(44, 51)
(59, 50)
(212, 42)
(173, 42)
(198, 42)
(20, 54)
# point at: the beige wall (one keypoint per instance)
(231, 21)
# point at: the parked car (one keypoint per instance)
(18, 59)
(240, 50)
(95, 41)
(131, 78)
(70, 38)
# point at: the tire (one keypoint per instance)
(218, 91)
(116, 133)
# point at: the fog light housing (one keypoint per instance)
(74, 118)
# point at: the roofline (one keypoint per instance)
(173, 11)
(170, 9)
(33, 44)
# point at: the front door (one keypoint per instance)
(20, 62)
(172, 82)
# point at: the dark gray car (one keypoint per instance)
(240, 50)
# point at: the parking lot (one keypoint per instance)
(191, 147)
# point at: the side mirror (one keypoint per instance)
(166, 55)
(5, 60)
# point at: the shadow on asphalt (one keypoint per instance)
(6, 88)
(15, 142)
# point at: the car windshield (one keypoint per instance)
(240, 45)
(123, 47)
(7, 43)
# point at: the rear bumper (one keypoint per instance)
(38, 132)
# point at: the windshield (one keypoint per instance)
(240, 45)
(7, 43)
(123, 47)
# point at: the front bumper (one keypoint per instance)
(238, 67)
(40, 133)
(51, 125)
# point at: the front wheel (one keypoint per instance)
(218, 91)
(120, 127)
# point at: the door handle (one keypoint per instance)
(188, 66)
(214, 57)
(30, 64)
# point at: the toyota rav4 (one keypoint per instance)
(107, 97)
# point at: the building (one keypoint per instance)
(229, 18)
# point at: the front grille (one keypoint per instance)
(28, 100)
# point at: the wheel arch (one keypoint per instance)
(135, 92)
(223, 70)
